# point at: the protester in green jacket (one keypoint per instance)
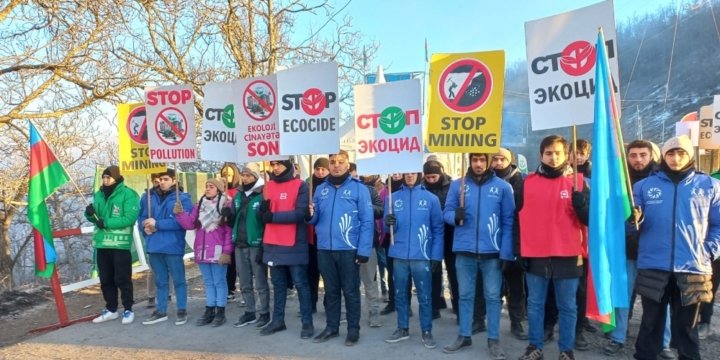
(114, 211)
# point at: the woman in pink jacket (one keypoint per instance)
(213, 246)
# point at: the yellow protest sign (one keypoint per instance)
(133, 141)
(466, 99)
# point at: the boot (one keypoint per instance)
(207, 317)
(219, 316)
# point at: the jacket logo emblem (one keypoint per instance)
(424, 236)
(324, 191)
(256, 206)
(564, 194)
(345, 226)
(494, 191)
(467, 188)
(398, 203)
(347, 193)
(116, 209)
(654, 193)
(283, 196)
(697, 191)
(423, 203)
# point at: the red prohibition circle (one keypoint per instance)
(573, 56)
(313, 101)
(161, 117)
(143, 128)
(270, 108)
(476, 65)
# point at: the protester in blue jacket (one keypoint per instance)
(165, 244)
(482, 242)
(342, 213)
(678, 213)
(417, 250)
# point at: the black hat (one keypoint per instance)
(433, 167)
(113, 172)
(323, 163)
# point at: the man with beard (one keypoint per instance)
(482, 242)
(553, 218)
(320, 172)
(284, 243)
(504, 166)
(678, 215)
(342, 213)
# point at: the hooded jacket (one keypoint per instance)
(681, 227)
(119, 213)
(419, 230)
(297, 254)
(343, 217)
(441, 192)
(170, 237)
(208, 245)
(247, 229)
(489, 210)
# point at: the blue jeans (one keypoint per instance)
(216, 288)
(467, 268)
(420, 272)
(565, 290)
(278, 276)
(340, 272)
(174, 264)
(382, 265)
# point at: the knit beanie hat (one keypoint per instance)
(323, 163)
(432, 167)
(113, 172)
(252, 169)
(219, 183)
(679, 142)
(506, 154)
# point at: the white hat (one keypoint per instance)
(679, 142)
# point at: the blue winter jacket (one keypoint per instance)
(489, 211)
(419, 231)
(681, 227)
(343, 217)
(170, 237)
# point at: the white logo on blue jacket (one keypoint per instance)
(494, 228)
(345, 226)
(347, 192)
(494, 191)
(654, 193)
(325, 191)
(424, 237)
(422, 204)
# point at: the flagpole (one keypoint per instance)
(462, 184)
(390, 210)
(177, 184)
(311, 178)
(575, 159)
(147, 190)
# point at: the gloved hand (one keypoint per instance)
(522, 263)
(224, 259)
(359, 259)
(90, 210)
(390, 220)
(226, 212)
(309, 213)
(177, 209)
(259, 256)
(636, 216)
(267, 217)
(459, 214)
(504, 265)
(435, 266)
(578, 200)
(265, 205)
(100, 224)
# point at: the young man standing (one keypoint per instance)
(285, 248)
(678, 214)
(114, 211)
(553, 218)
(416, 214)
(483, 242)
(165, 242)
(342, 213)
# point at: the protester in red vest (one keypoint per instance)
(285, 245)
(553, 219)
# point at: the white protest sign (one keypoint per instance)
(689, 128)
(561, 65)
(171, 122)
(218, 128)
(257, 115)
(309, 113)
(388, 129)
(706, 128)
(716, 121)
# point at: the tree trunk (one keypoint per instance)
(6, 261)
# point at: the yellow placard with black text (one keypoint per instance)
(465, 103)
(133, 141)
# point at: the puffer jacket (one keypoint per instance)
(208, 245)
(441, 192)
(170, 237)
(489, 211)
(119, 213)
(343, 217)
(419, 230)
(680, 231)
(247, 229)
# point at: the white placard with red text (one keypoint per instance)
(219, 123)
(171, 123)
(256, 111)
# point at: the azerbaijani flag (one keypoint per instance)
(609, 202)
(46, 176)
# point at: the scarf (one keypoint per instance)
(317, 181)
(553, 173)
(418, 179)
(338, 180)
(585, 169)
(209, 211)
(108, 190)
(677, 175)
(396, 184)
(479, 179)
(637, 175)
(248, 187)
(434, 186)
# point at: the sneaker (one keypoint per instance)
(667, 354)
(398, 336)
(374, 319)
(478, 327)
(155, 318)
(581, 343)
(231, 296)
(247, 319)
(273, 327)
(307, 331)
(387, 310)
(219, 316)
(567, 355)
(496, 352)
(150, 303)
(704, 331)
(613, 348)
(207, 317)
(428, 340)
(128, 317)
(182, 317)
(532, 353)
(460, 343)
(352, 338)
(518, 331)
(263, 321)
(106, 315)
(548, 335)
